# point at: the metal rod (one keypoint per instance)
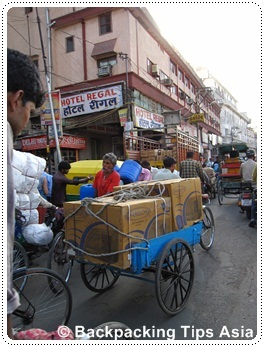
(49, 91)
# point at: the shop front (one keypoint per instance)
(38, 145)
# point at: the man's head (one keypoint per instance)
(169, 163)
(24, 90)
(189, 155)
(111, 157)
(109, 162)
(64, 167)
(250, 154)
(146, 165)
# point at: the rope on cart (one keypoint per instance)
(136, 191)
(139, 191)
(106, 254)
(86, 203)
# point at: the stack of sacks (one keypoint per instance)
(27, 168)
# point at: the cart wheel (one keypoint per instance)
(208, 230)
(98, 278)
(59, 259)
(220, 193)
(174, 276)
(20, 257)
(213, 191)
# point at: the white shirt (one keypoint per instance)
(165, 174)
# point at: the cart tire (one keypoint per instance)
(20, 257)
(40, 306)
(112, 331)
(98, 278)
(58, 259)
(220, 193)
(174, 276)
(208, 229)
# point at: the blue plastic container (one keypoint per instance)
(130, 171)
(116, 168)
(87, 191)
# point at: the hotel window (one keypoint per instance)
(149, 66)
(69, 44)
(187, 82)
(181, 75)
(192, 88)
(163, 76)
(174, 90)
(105, 23)
(173, 67)
(28, 10)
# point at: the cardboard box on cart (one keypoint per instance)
(142, 218)
(185, 194)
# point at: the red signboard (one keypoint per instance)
(39, 142)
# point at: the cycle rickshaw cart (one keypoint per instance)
(230, 183)
(169, 255)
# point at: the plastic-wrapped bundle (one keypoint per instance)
(19, 161)
(22, 201)
(27, 201)
(22, 183)
(31, 216)
(29, 164)
(37, 234)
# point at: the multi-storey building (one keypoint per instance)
(234, 124)
(112, 67)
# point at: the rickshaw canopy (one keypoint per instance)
(226, 148)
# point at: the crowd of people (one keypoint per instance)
(25, 94)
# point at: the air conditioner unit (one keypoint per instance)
(155, 70)
(189, 101)
(104, 70)
(168, 82)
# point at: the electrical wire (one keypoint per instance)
(38, 49)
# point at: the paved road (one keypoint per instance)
(223, 301)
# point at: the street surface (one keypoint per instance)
(223, 300)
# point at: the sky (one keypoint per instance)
(223, 37)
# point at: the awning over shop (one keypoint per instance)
(103, 48)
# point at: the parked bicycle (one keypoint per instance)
(46, 300)
(23, 251)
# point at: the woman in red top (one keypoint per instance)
(106, 179)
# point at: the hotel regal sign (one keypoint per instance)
(96, 100)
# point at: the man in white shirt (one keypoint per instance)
(246, 168)
(168, 171)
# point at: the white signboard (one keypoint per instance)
(146, 119)
(92, 101)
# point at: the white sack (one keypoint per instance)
(31, 216)
(24, 184)
(27, 201)
(37, 234)
(29, 164)
(22, 201)
(19, 161)
(35, 165)
(34, 198)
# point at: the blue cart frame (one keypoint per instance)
(169, 257)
